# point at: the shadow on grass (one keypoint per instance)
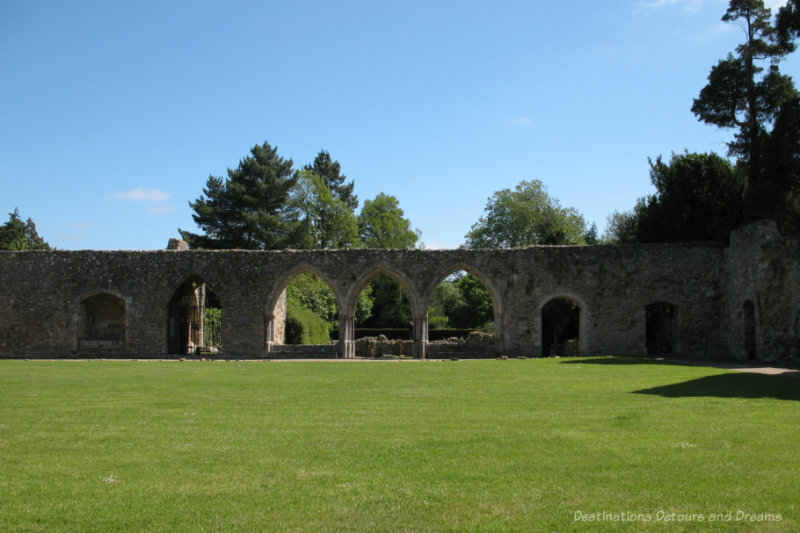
(611, 360)
(734, 385)
(729, 385)
(783, 369)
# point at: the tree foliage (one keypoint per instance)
(16, 235)
(382, 224)
(698, 197)
(781, 174)
(331, 171)
(703, 196)
(247, 210)
(305, 327)
(461, 301)
(621, 225)
(788, 24)
(327, 221)
(746, 92)
(308, 291)
(524, 216)
(390, 305)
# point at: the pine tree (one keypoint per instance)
(330, 170)
(745, 94)
(247, 210)
(16, 235)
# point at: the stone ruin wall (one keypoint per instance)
(763, 269)
(43, 294)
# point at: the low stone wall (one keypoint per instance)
(477, 345)
(304, 351)
(372, 347)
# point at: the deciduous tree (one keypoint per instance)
(524, 216)
(328, 221)
(621, 225)
(383, 225)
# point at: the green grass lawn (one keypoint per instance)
(514, 445)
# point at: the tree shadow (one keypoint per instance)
(777, 385)
(613, 360)
(790, 369)
(732, 385)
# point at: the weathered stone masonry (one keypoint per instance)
(741, 301)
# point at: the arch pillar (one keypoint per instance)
(420, 348)
(270, 332)
(500, 340)
(347, 345)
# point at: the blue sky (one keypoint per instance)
(114, 114)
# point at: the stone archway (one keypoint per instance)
(418, 314)
(276, 313)
(497, 344)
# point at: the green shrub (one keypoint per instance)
(405, 333)
(305, 327)
(212, 328)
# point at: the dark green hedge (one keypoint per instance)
(305, 327)
(405, 334)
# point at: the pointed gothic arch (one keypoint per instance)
(187, 330)
(276, 306)
(494, 294)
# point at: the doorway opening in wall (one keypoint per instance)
(310, 310)
(194, 319)
(661, 328)
(101, 326)
(749, 315)
(383, 320)
(460, 317)
(561, 326)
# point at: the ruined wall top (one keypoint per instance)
(177, 244)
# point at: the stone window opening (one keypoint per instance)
(661, 328)
(102, 323)
(561, 328)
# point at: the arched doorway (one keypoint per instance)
(561, 327)
(102, 323)
(194, 319)
(661, 328)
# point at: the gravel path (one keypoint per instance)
(786, 371)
